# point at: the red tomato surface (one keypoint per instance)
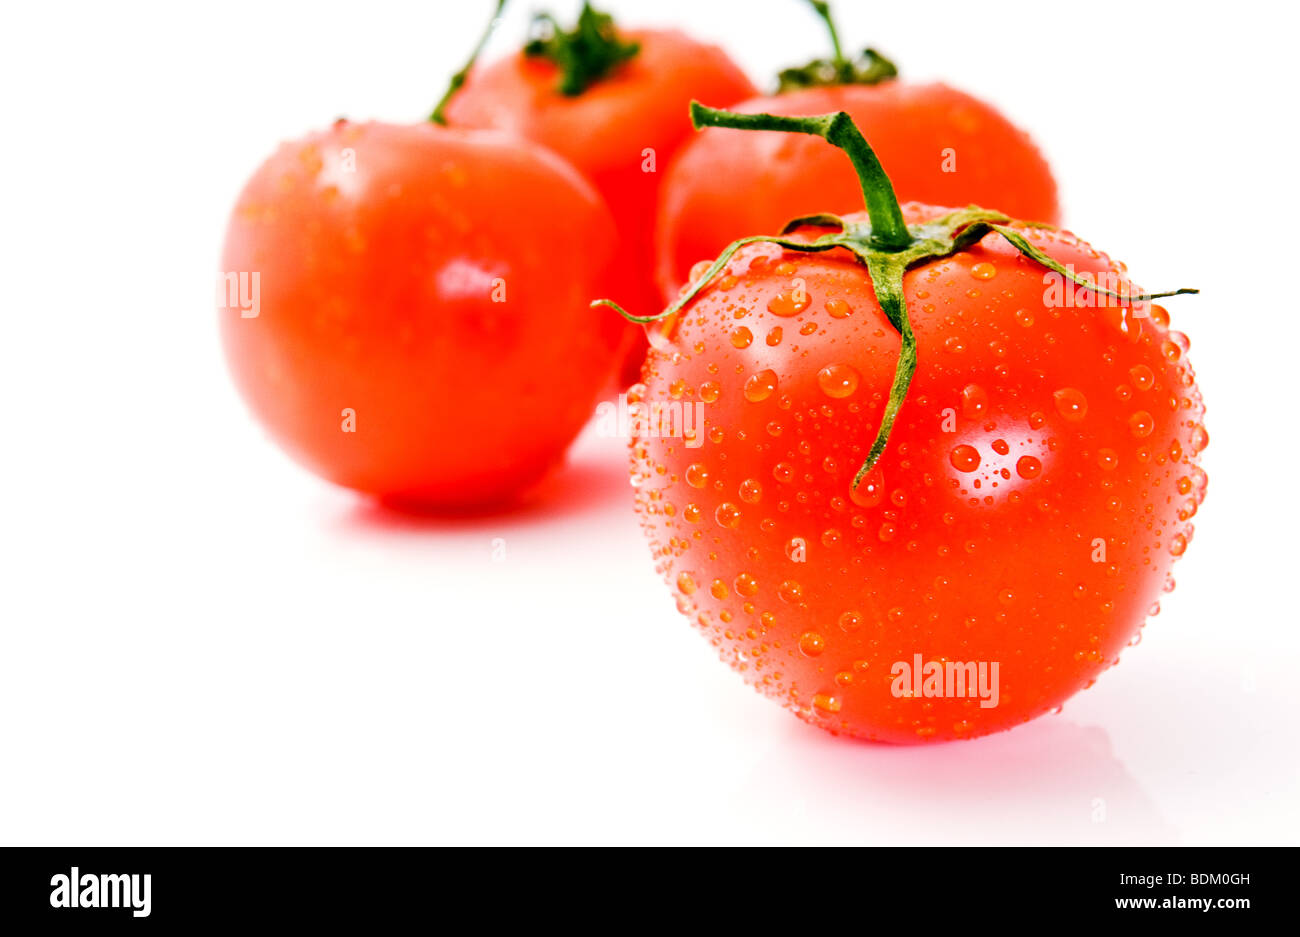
(1036, 489)
(914, 130)
(620, 132)
(434, 282)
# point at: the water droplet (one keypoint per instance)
(1037, 419)
(790, 592)
(742, 337)
(826, 703)
(698, 269)
(831, 537)
(964, 458)
(1141, 424)
(838, 380)
(685, 583)
(811, 643)
(1108, 459)
(1000, 446)
(691, 513)
(718, 589)
(1071, 404)
(760, 386)
(709, 391)
(871, 491)
(1028, 467)
(697, 475)
(850, 622)
(783, 472)
(974, 401)
(1143, 377)
(838, 309)
(751, 492)
(774, 336)
(788, 303)
(983, 271)
(746, 585)
(1025, 317)
(727, 515)
(1178, 545)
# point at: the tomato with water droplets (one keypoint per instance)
(1021, 515)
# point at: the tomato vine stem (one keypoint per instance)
(458, 79)
(868, 69)
(888, 229)
(585, 54)
(885, 245)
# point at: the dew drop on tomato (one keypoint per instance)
(788, 303)
(697, 475)
(1071, 404)
(1028, 467)
(760, 386)
(871, 491)
(811, 643)
(1143, 377)
(826, 703)
(974, 401)
(964, 458)
(1141, 424)
(838, 380)
(727, 515)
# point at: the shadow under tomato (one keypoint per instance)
(1050, 781)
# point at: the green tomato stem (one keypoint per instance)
(583, 55)
(823, 9)
(888, 229)
(458, 79)
(885, 246)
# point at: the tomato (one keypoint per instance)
(416, 287)
(619, 125)
(943, 147)
(1022, 517)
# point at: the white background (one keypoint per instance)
(200, 643)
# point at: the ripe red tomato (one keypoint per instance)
(619, 126)
(1037, 485)
(417, 287)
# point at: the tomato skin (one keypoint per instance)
(785, 176)
(377, 294)
(999, 564)
(609, 131)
